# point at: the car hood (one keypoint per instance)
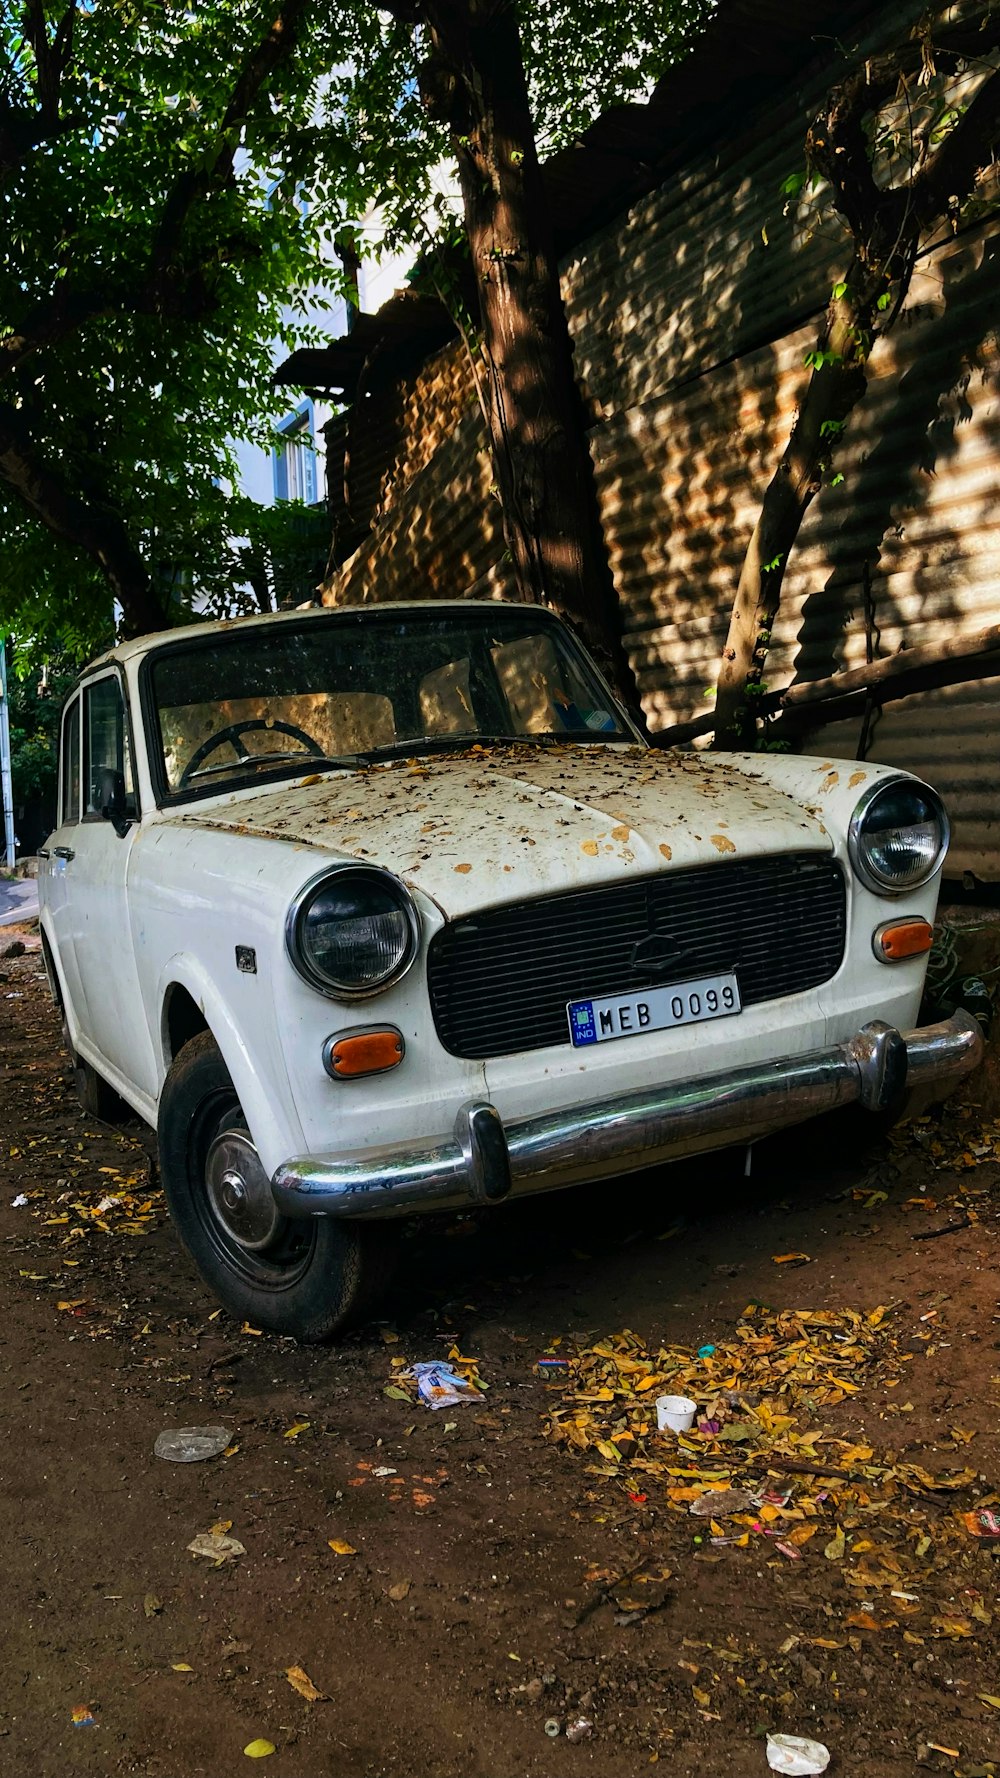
(495, 825)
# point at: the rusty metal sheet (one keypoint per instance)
(950, 739)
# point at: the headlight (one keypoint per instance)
(898, 836)
(352, 931)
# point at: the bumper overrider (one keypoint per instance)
(485, 1160)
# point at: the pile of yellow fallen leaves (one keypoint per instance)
(106, 1201)
(760, 1467)
(117, 1203)
(752, 1395)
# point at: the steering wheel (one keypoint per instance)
(232, 733)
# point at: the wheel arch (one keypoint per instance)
(181, 1019)
(190, 1001)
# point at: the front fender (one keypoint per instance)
(248, 1044)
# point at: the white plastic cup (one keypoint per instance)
(675, 1413)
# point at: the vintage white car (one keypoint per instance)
(389, 909)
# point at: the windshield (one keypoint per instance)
(246, 703)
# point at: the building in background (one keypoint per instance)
(295, 469)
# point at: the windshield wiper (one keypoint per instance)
(418, 744)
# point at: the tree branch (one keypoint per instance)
(813, 703)
(950, 175)
(191, 187)
(886, 223)
(90, 525)
(838, 148)
(24, 128)
(51, 56)
(165, 287)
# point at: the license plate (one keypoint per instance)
(655, 1009)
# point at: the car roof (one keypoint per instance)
(139, 645)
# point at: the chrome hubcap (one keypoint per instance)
(239, 1191)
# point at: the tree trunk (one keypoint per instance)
(886, 222)
(834, 389)
(96, 530)
(542, 465)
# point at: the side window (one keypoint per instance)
(105, 741)
(70, 780)
(545, 693)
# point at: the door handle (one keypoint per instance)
(66, 852)
(43, 851)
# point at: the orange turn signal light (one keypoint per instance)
(902, 938)
(367, 1050)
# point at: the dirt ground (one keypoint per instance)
(487, 1592)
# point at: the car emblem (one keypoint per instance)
(657, 951)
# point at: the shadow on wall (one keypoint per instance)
(921, 498)
(440, 538)
(690, 317)
(681, 479)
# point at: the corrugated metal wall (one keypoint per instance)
(690, 319)
(681, 478)
(440, 537)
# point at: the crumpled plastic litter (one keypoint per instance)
(796, 1756)
(722, 1503)
(442, 1387)
(192, 1444)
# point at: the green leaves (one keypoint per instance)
(34, 705)
(149, 271)
(820, 357)
(172, 220)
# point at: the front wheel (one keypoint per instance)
(305, 1278)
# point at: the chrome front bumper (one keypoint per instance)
(485, 1160)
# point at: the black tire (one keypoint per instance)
(301, 1277)
(97, 1098)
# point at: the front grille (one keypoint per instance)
(499, 981)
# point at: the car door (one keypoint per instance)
(99, 928)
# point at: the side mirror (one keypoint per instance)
(112, 801)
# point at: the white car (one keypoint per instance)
(389, 909)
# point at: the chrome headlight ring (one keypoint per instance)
(337, 882)
(927, 812)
